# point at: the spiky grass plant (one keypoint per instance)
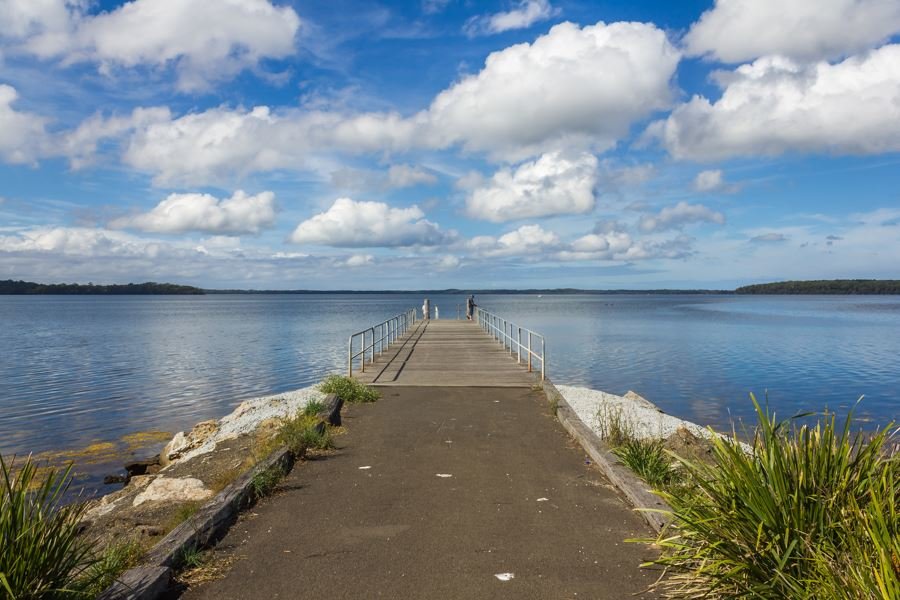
(349, 389)
(811, 513)
(648, 459)
(41, 554)
(615, 428)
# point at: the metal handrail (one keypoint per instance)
(502, 331)
(388, 331)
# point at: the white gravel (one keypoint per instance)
(250, 413)
(642, 417)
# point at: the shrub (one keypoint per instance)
(42, 555)
(648, 459)
(304, 432)
(349, 389)
(811, 513)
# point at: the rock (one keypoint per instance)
(641, 401)
(689, 446)
(183, 443)
(172, 489)
(143, 467)
(151, 530)
(111, 479)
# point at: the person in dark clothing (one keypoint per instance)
(470, 307)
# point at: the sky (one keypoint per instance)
(427, 144)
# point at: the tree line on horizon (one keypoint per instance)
(825, 286)
(149, 288)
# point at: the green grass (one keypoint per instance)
(264, 482)
(303, 432)
(41, 554)
(313, 408)
(811, 513)
(111, 563)
(184, 512)
(348, 389)
(190, 557)
(615, 429)
(649, 460)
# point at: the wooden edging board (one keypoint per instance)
(645, 502)
(153, 576)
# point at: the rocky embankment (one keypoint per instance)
(190, 469)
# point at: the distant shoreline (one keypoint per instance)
(849, 287)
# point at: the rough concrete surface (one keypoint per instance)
(434, 493)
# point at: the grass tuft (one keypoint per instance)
(648, 459)
(265, 482)
(348, 389)
(305, 432)
(111, 563)
(812, 512)
(615, 428)
(313, 408)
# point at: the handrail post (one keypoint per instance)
(350, 357)
(529, 351)
(543, 359)
(519, 347)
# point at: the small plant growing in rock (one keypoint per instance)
(348, 389)
(264, 482)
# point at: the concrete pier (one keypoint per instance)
(458, 483)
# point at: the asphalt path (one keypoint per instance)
(440, 493)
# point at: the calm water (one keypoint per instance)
(74, 370)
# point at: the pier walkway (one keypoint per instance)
(448, 354)
(457, 483)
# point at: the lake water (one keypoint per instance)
(76, 370)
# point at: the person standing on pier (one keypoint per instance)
(470, 307)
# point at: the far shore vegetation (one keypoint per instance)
(825, 286)
(829, 286)
(149, 288)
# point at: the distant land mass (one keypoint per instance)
(832, 286)
(825, 286)
(149, 288)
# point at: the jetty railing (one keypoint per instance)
(382, 336)
(510, 335)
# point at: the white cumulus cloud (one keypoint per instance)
(551, 185)
(742, 30)
(679, 215)
(529, 241)
(205, 40)
(775, 105)
(525, 14)
(22, 134)
(573, 86)
(360, 260)
(585, 88)
(358, 224)
(242, 213)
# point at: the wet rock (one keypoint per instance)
(172, 489)
(111, 479)
(143, 467)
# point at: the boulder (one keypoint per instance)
(173, 489)
(641, 401)
(183, 443)
(143, 467)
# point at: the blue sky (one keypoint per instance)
(449, 143)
